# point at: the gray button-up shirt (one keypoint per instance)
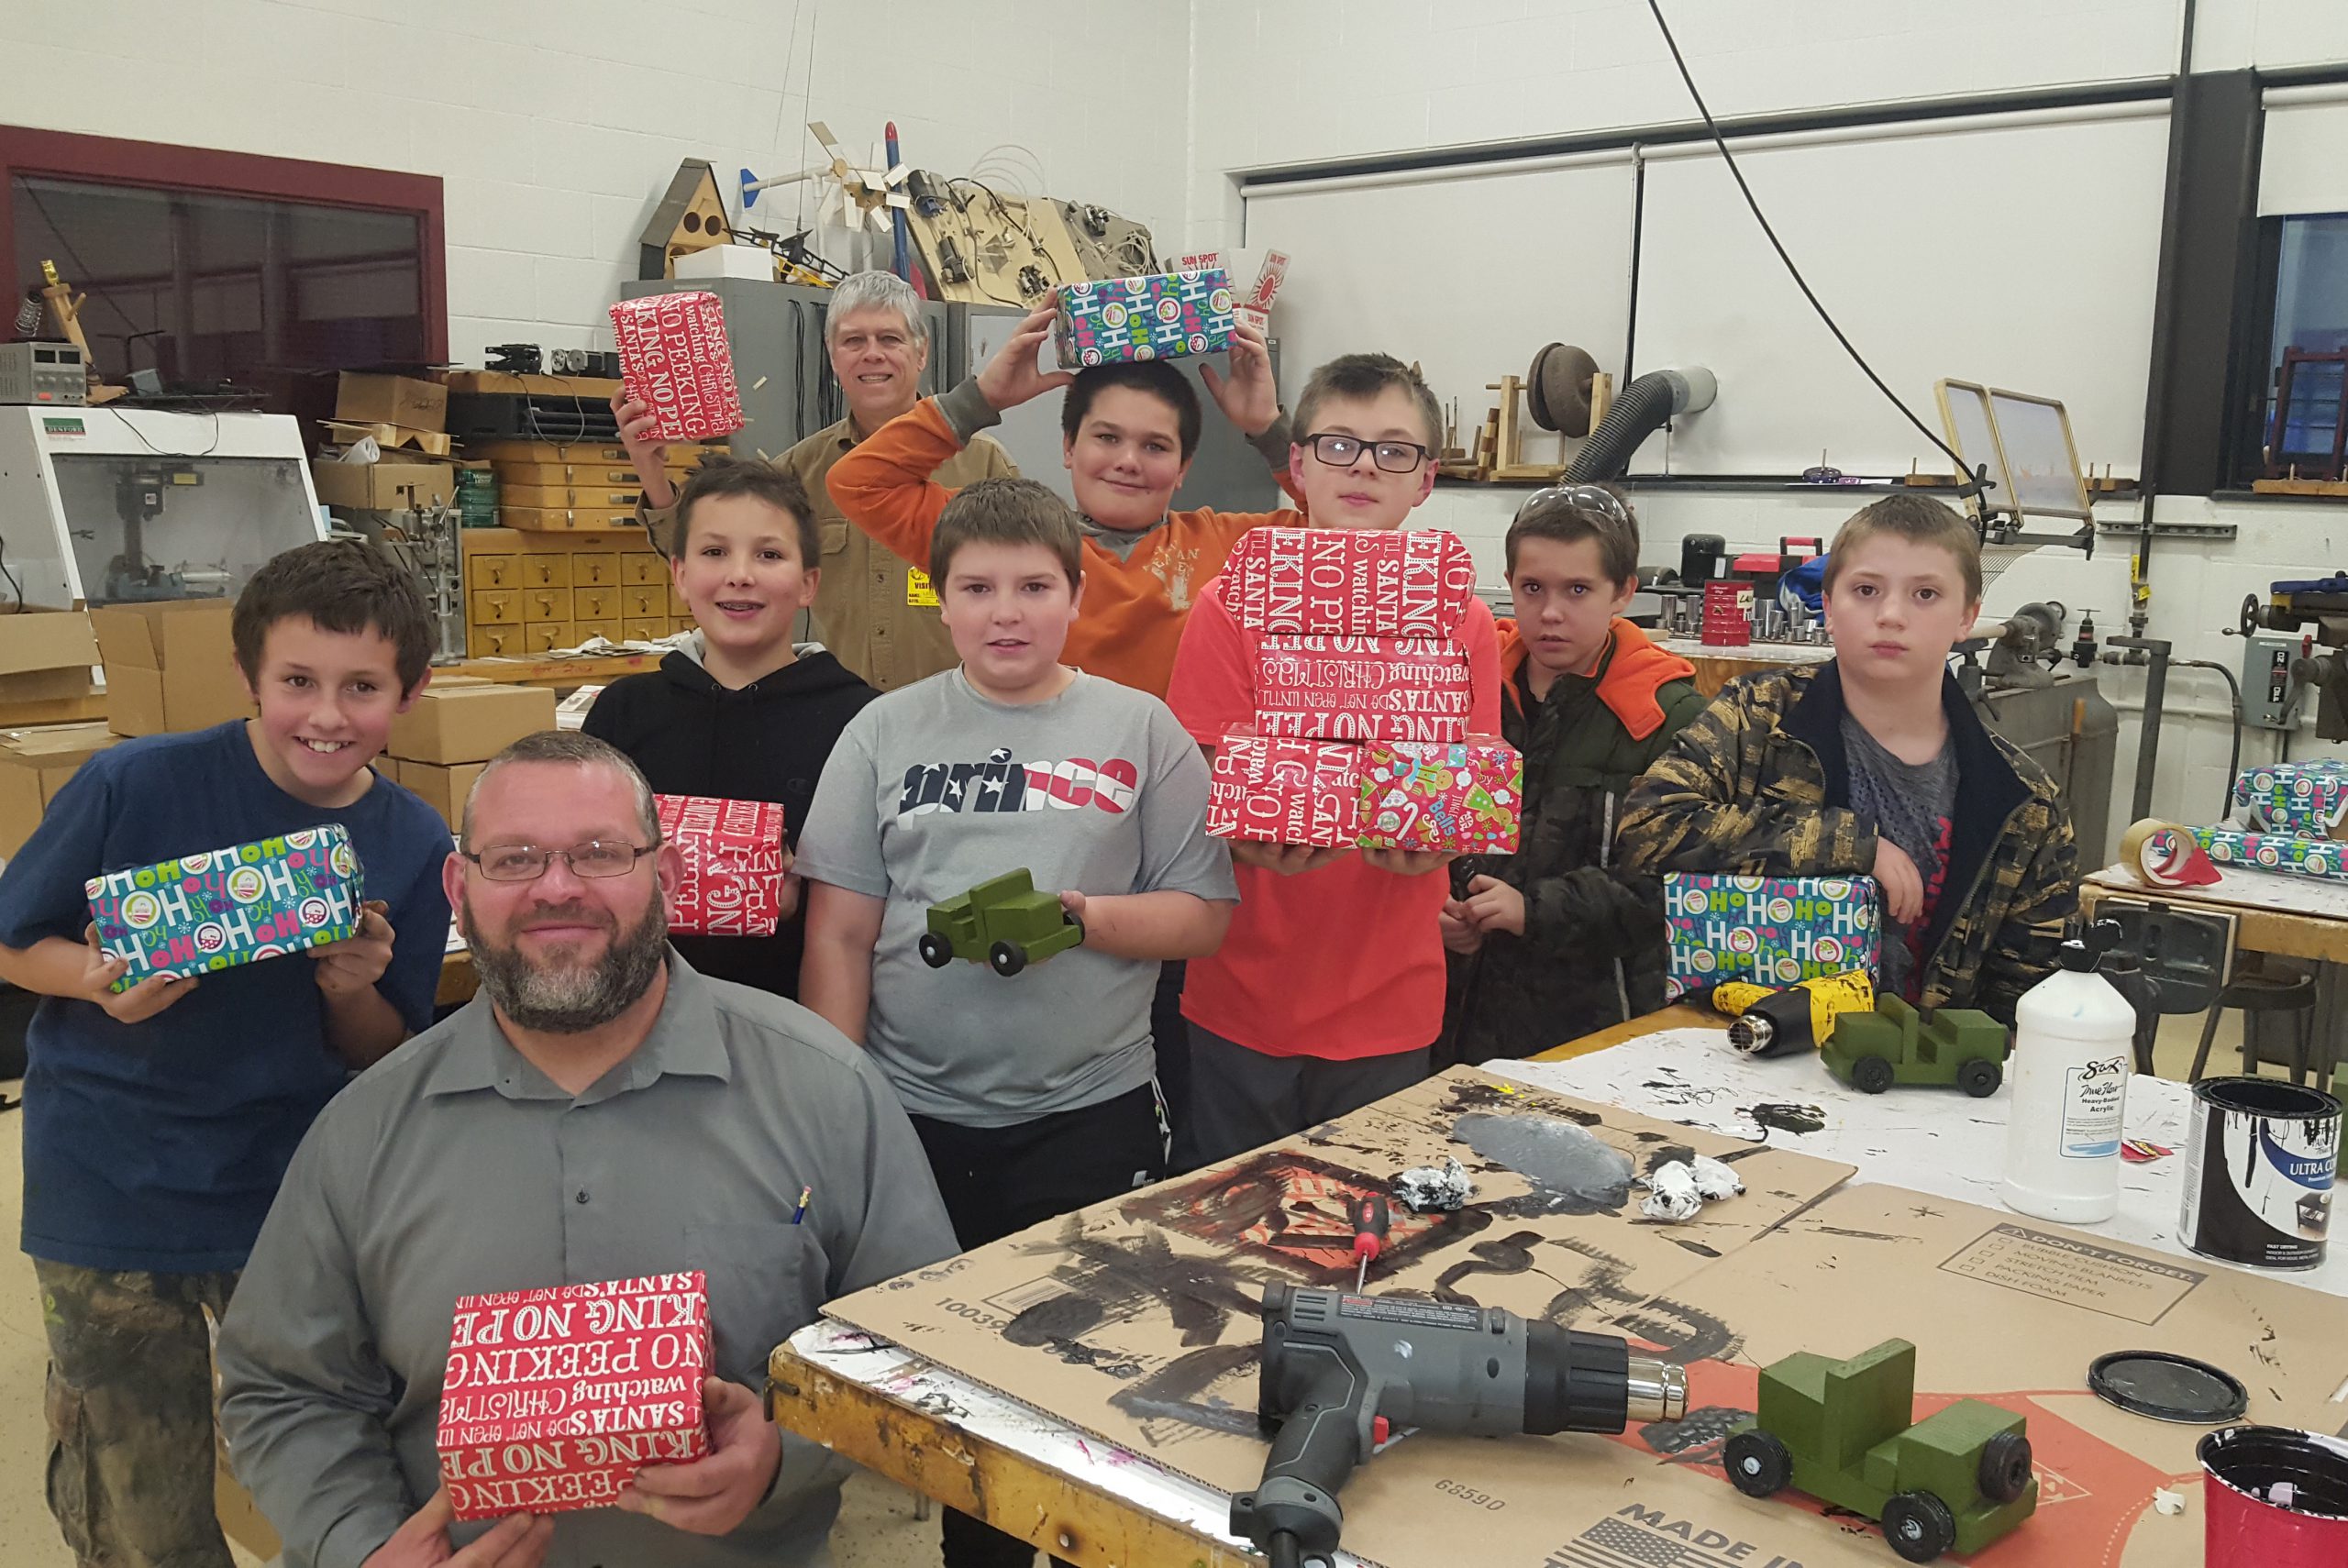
(454, 1166)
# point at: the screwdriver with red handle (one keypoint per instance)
(1367, 1214)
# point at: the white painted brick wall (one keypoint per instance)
(555, 124)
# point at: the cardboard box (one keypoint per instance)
(225, 907)
(2307, 799)
(170, 666)
(2275, 851)
(553, 1398)
(442, 788)
(383, 487)
(1161, 317)
(1464, 798)
(391, 399)
(46, 655)
(1776, 930)
(1285, 791)
(469, 724)
(674, 359)
(33, 766)
(1349, 582)
(1362, 689)
(733, 854)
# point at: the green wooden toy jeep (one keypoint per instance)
(1895, 1044)
(1841, 1432)
(1003, 921)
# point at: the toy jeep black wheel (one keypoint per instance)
(1871, 1075)
(1980, 1078)
(1757, 1463)
(1006, 958)
(2005, 1467)
(1918, 1526)
(936, 951)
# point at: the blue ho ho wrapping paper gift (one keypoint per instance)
(1772, 930)
(2306, 799)
(1163, 316)
(225, 907)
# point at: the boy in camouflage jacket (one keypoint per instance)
(1556, 941)
(1874, 764)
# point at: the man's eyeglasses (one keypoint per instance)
(1343, 451)
(527, 862)
(1581, 498)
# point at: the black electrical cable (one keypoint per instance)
(2233, 765)
(1968, 483)
(14, 587)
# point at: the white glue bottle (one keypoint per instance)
(2074, 1048)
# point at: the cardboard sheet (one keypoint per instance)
(1136, 1320)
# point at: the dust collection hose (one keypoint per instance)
(1638, 412)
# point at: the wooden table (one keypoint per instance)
(1057, 1511)
(2291, 917)
(564, 673)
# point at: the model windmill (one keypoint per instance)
(858, 199)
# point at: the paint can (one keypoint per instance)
(2259, 1165)
(2273, 1497)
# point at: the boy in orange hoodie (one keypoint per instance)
(1327, 992)
(1555, 940)
(1128, 432)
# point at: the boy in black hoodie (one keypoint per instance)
(740, 712)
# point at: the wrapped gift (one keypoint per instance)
(1350, 582)
(553, 1398)
(733, 855)
(1463, 797)
(2275, 851)
(1285, 791)
(1362, 689)
(1772, 930)
(674, 360)
(225, 907)
(2306, 800)
(1162, 317)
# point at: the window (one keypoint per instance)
(206, 267)
(2307, 351)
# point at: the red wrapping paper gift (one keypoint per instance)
(674, 360)
(553, 1398)
(1345, 581)
(1361, 688)
(1285, 791)
(733, 854)
(1464, 797)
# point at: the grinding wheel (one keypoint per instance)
(1557, 389)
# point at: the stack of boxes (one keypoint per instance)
(171, 666)
(1363, 699)
(438, 747)
(33, 765)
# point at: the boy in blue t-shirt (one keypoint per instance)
(159, 1120)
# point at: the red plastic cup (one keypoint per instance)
(2274, 1498)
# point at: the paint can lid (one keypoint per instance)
(2168, 1387)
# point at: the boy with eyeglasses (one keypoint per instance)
(1558, 939)
(1327, 992)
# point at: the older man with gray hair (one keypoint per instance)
(600, 1111)
(876, 614)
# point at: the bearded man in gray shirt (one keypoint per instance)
(599, 1113)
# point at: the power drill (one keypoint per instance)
(1340, 1370)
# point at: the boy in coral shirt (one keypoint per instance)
(1327, 992)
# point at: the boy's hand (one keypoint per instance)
(649, 455)
(1902, 884)
(1287, 859)
(1460, 932)
(1407, 862)
(1011, 378)
(712, 1495)
(141, 1001)
(357, 961)
(1248, 399)
(1493, 905)
(1073, 901)
(793, 887)
(518, 1540)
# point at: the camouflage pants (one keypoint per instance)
(129, 1404)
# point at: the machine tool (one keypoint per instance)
(2317, 607)
(1342, 1370)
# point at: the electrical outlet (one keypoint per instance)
(2268, 702)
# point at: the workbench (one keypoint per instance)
(2275, 912)
(564, 674)
(981, 1451)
